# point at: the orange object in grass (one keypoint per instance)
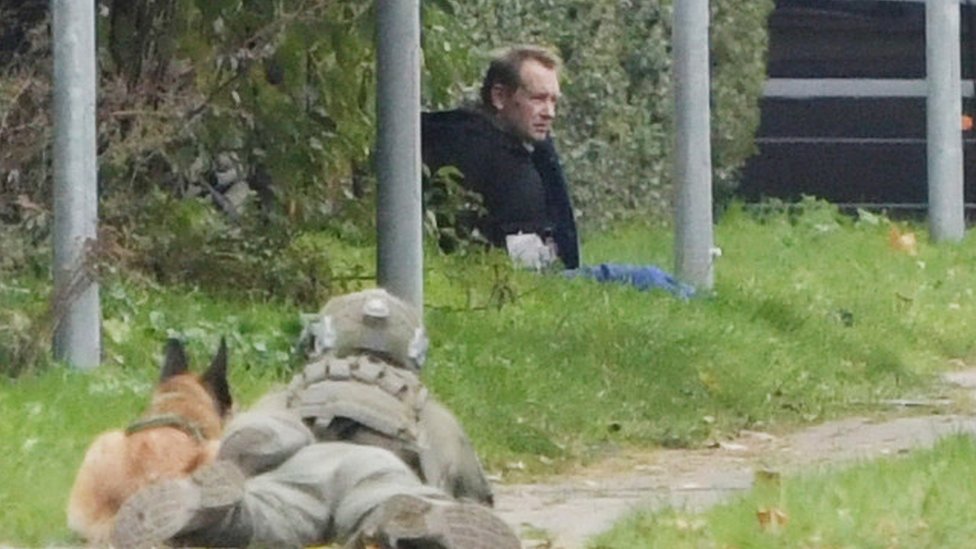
(903, 241)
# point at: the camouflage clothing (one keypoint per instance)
(361, 385)
(373, 322)
(353, 450)
(367, 401)
(273, 486)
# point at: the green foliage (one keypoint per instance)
(450, 211)
(25, 329)
(26, 244)
(25, 322)
(450, 64)
(738, 58)
(188, 241)
(288, 89)
(277, 96)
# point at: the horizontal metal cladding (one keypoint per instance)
(813, 88)
(847, 39)
(842, 117)
(868, 172)
(843, 112)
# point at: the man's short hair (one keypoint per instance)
(505, 66)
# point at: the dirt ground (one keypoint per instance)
(563, 512)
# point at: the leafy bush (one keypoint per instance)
(450, 211)
(187, 240)
(24, 341)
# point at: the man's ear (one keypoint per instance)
(499, 96)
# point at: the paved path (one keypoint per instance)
(563, 512)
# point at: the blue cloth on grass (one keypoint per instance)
(642, 277)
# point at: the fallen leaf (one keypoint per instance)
(767, 477)
(905, 242)
(771, 518)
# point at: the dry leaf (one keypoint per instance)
(903, 241)
(772, 518)
(767, 477)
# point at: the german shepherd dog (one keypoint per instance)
(177, 434)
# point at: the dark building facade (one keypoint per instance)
(843, 111)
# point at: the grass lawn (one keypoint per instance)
(814, 316)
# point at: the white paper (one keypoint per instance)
(529, 251)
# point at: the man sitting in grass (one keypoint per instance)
(505, 153)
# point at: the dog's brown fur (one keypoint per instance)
(179, 432)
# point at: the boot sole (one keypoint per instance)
(408, 522)
(160, 511)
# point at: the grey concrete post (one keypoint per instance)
(77, 337)
(692, 155)
(399, 203)
(944, 120)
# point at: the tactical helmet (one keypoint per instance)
(370, 321)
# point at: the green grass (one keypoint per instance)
(809, 320)
(920, 500)
(813, 316)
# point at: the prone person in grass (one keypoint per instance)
(353, 451)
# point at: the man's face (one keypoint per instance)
(528, 111)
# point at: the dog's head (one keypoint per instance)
(204, 400)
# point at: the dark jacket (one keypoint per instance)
(523, 190)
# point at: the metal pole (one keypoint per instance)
(399, 215)
(77, 337)
(944, 118)
(693, 156)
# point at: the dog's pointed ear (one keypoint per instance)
(175, 362)
(216, 379)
